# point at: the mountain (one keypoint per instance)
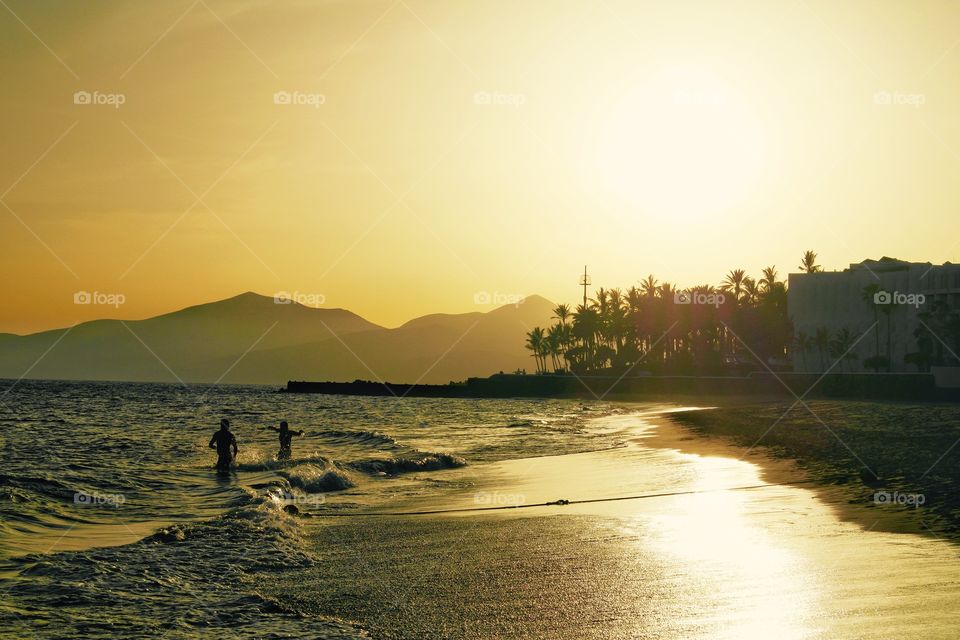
(252, 339)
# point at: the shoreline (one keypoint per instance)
(758, 385)
(838, 480)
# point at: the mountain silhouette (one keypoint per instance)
(251, 339)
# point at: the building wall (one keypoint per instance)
(836, 300)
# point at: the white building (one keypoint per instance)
(835, 301)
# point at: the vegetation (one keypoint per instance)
(710, 330)
(938, 338)
(808, 263)
(705, 329)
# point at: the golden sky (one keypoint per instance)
(436, 149)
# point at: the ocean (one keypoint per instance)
(114, 524)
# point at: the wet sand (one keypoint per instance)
(758, 563)
(851, 450)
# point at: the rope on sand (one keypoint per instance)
(554, 503)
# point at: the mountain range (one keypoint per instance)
(252, 339)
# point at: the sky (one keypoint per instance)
(404, 157)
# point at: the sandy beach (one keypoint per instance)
(852, 452)
(775, 561)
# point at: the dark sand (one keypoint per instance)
(852, 450)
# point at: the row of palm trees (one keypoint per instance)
(939, 328)
(702, 329)
(833, 351)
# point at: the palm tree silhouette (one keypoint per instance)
(769, 279)
(803, 343)
(808, 263)
(751, 291)
(649, 286)
(554, 345)
(821, 338)
(869, 296)
(840, 346)
(535, 343)
(561, 312)
(733, 283)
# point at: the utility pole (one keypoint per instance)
(584, 282)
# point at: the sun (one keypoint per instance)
(683, 144)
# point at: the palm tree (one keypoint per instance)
(733, 283)
(566, 340)
(808, 263)
(554, 344)
(561, 313)
(667, 291)
(840, 346)
(802, 342)
(769, 279)
(535, 343)
(869, 296)
(821, 338)
(649, 286)
(600, 303)
(586, 327)
(751, 291)
(888, 310)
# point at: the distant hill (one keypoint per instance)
(251, 339)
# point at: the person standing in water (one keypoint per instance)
(223, 441)
(286, 439)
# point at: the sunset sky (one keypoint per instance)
(444, 148)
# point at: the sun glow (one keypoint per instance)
(685, 144)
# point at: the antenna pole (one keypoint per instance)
(585, 282)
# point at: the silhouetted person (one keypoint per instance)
(223, 441)
(286, 439)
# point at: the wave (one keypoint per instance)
(164, 582)
(256, 512)
(360, 437)
(423, 462)
(321, 473)
(318, 479)
(35, 483)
